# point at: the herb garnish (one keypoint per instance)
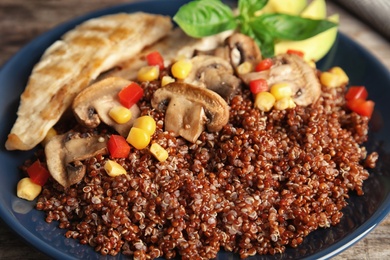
(200, 18)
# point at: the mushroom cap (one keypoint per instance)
(294, 70)
(243, 49)
(215, 107)
(64, 151)
(214, 73)
(92, 105)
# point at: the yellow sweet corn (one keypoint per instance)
(244, 68)
(264, 101)
(138, 138)
(146, 123)
(120, 114)
(329, 79)
(113, 168)
(334, 78)
(166, 80)
(159, 152)
(148, 73)
(281, 90)
(28, 190)
(181, 69)
(284, 103)
(344, 79)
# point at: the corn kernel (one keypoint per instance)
(181, 69)
(334, 78)
(159, 152)
(113, 168)
(281, 90)
(50, 134)
(284, 103)
(329, 79)
(264, 101)
(120, 114)
(138, 138)
(166, 80)
(244, 68)
(341, 73)
(28, 190)
(148, 73)
(146, 123)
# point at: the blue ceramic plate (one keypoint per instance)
(360, 217)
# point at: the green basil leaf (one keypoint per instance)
(204, 18)
(289, 27)
(245, 29)
(248, 8)
(263, 38)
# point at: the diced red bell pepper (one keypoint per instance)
(361, 106)
(258, 85)
(296, 52)
(130, 95)
(356, 92)
(38, 173)
(155, 59)
(264, 64)
(118, 147)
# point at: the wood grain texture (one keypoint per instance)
(21, 21)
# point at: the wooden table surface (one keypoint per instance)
(21, 21)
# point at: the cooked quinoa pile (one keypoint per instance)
(262, 183)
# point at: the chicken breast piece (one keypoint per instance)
(72, 63)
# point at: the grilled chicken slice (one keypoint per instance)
(72, 63)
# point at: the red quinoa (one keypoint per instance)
(264, 182)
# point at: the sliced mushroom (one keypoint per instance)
(189, 109)
(213, 73)
(64, 153)
(294, 70)
(237, 49)
(185, 118)
(243, 49)
(92, 105)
